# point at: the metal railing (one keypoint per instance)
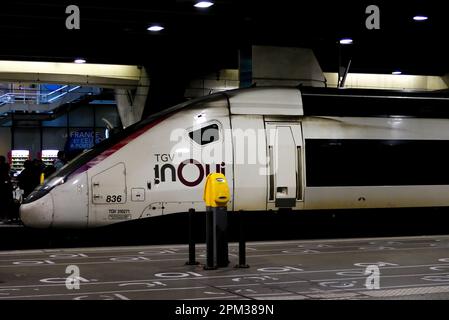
(5, 99)
(34, 96)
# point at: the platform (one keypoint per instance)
(410, 268)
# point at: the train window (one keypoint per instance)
(340, 163)
(206, 134)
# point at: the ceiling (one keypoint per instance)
(196, 41)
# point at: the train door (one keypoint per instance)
(249, 162)
(109, 193)
(109, 186)
(285, 165)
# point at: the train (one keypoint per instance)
(280, 148)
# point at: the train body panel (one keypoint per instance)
(274, 153)
(39, 213)
(167, 169)
(377, 197)
(396, 128)
(70, 202)
(409, 135)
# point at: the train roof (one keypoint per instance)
(266, 101)
(313, 101)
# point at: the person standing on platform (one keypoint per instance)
(61, 161)
(27, 178)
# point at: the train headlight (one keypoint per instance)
(42, 190)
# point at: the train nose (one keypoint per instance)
(39, 213)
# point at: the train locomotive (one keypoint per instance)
(280, 148)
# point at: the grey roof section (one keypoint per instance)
(266, 101)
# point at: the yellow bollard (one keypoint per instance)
(42, 179)
(216, 196)
(216, 191)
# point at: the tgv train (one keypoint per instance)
(297, 148)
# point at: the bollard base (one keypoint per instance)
(209, 268)
(241, 266)
(223, 265)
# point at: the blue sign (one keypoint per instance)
(83, 139)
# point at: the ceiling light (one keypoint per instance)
(420, 18)
(79, 60)
(155, 28)
(203, 4)
(346, 41)
(396, 72)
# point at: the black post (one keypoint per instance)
(242, 242)
(210, 240)
(221, 225)
(192, 260)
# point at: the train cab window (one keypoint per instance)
(205, 135)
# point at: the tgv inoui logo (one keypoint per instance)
(373, 280)
(73, 280)
(169, 172)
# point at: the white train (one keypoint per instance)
(297, 148)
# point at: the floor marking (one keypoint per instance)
(212, 298)
(336, 295)
(294, 297)
(181, 259)
(83, 256)
(343, 279)
(201, 245)
(76, 257)
(215, 293)
(363, 290)
(88, 263)
(102, 292)
(331, 241)
(387, 276)
(348, 251)
(360, 291)
(244, 275)
(270, 294)
(22, 263)
(239, 285)
(411, 289)
(407, 292)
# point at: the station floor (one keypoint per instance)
(410, 268)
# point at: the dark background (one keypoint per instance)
(195, 42)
